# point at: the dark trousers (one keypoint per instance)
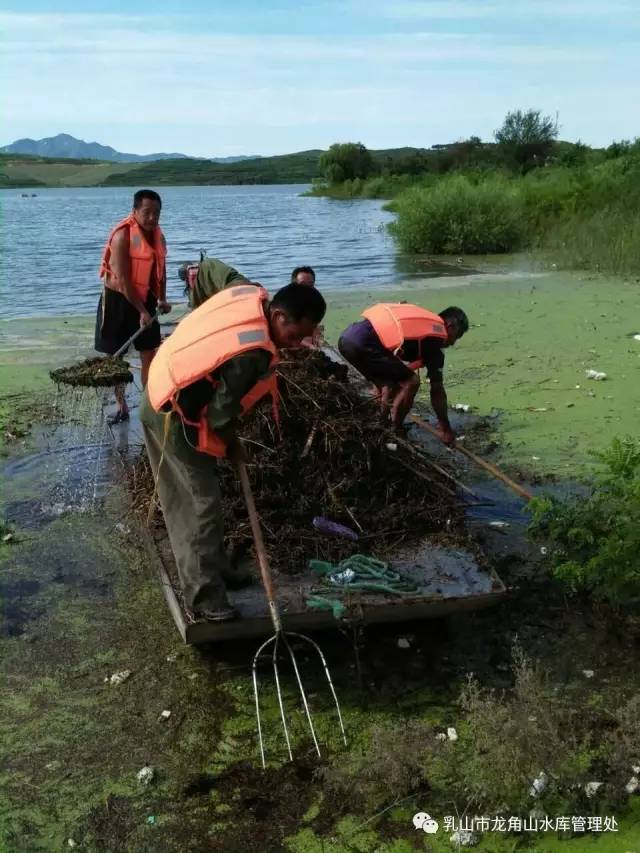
(189, 492)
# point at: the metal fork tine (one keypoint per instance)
(302, 694)
(255, 694)
(267, 581)
(328, 674)
(279, 692)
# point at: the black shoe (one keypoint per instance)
(211, 613)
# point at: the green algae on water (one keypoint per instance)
(101, 372)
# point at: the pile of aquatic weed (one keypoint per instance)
(332, 456)
(101, 372)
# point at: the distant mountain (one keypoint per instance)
(66, 146)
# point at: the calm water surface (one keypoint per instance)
(51, 244)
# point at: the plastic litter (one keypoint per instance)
(391, 445)
(343, 578)
(452, 734)
(441, 736)
(539, 785)
(119, 677)
(403, 643)
(151, 819)
(71, 842)
(332, 528)
(633, 785)
(636, 337)
(595, 374)
(7, 537)
(499, 524)
(145, 775)
(591, 788)
(464, 838)
(165, 715)
(461, 407)
(588, 673)
(636, 769)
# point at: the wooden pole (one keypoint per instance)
(495, 472)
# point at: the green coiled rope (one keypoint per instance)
(369, 575)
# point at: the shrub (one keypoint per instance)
(596, 540)
(457, 216)
(391, 765)
(508, 740)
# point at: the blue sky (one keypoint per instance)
(213, 79)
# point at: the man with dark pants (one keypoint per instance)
(390, 345)
(134, 287)
(218, 363)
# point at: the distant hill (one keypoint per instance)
(65, 146)
(21, 170)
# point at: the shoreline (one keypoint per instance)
(523, 363)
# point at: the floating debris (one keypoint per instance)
(595, 374)
(102, 372)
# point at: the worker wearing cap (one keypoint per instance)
(390, 345)
(207, 277)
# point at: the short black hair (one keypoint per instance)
(300, 302)
(458, 316)
(140, 195)
(296, 270)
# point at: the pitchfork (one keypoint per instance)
(280, 637)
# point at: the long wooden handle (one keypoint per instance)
(125, 346)
(261, 551)
(496, 472)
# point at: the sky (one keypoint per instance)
(270, 77)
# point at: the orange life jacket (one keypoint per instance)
(397, 322)
(142, 258)
(224, 326)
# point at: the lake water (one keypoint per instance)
(51, 243)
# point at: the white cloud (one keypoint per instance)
(204, 92)
(503, 9)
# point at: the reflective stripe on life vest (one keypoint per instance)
(142, 258)
(397, 322)
(224, 326)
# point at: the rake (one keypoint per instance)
(280, 639)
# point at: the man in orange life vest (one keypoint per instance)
(217, 364)
(390, 345)
(134, 278)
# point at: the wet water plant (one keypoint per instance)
(101, 372)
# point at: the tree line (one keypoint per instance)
(526, 140)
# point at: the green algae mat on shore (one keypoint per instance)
(79, 605)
